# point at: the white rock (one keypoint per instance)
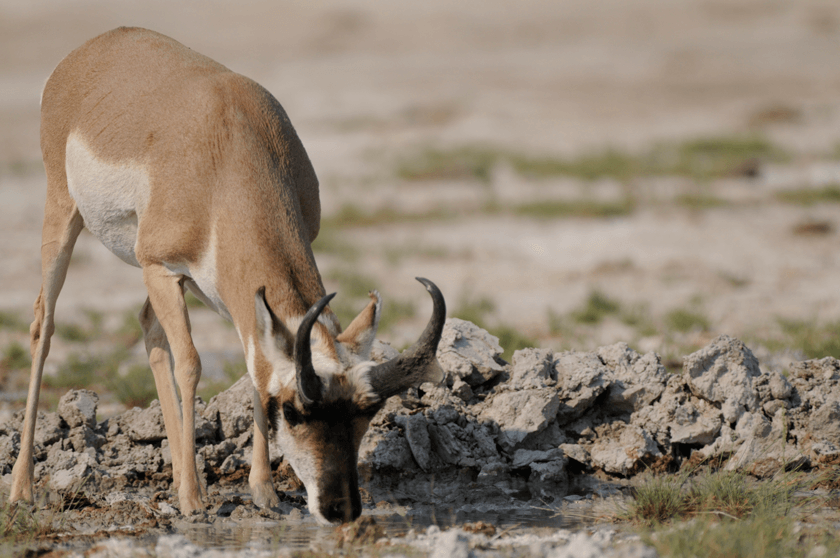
(469, 352)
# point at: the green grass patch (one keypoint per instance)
(73, 333)
(810, 196)
(470, 162)
(16, 357)
(701, 159)
(660, 499)
(330, 241)
(713, 157)
(733, 516)
(351, 215)
(610, 163)
(80, 371)
(395, 311)
(684, 320)
(575, 327)
(10, 320)
(597, 307)
(135, 388)
(20, 525)
(700, 202)
(511, 340)
(473, 310)
(130, 332)
(816, 341)
(731, 494)
(558, 209)
(192, 301)
(760, 537)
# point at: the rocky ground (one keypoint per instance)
(549, 435)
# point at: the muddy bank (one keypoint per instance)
(546, 431)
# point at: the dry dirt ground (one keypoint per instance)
(375, 87)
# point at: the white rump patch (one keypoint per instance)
(109, 196)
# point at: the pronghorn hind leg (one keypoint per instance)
(262, 487)
(166, 298)
(160, 360)
(62, 225)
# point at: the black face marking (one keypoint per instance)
(291, 415)
(337, 412)
(272, 412)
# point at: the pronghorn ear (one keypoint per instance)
(273, 335)
(359, 335)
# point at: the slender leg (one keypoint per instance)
(166, 295)
(262, 487)
(160, 359)
(62, 225)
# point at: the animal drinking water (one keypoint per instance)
(194, 174)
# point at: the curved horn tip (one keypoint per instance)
(426, 283)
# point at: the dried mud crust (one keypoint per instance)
(532, 431)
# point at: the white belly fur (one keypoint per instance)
(109, 196)
(112, 197)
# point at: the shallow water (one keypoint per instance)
(304, 533)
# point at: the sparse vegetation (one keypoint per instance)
(558, 209)
(816, 341)
(684, 320)
(394, 311)
(352, 216)
(597, 307)
(135, 388)
(733, 515)
(811, 196)
(701, 159)
(471, 163)
(80, 371)
(707, 158)
(12, 321)
(130, 332)
(20, 524)
(16, 357)
(331, 242)
(476, 311)
(192, 301)
(233, 370)
(73, 333)
(700, 202)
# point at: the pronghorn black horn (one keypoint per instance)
(390, 378)
(308, 382)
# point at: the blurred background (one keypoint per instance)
(570, 173)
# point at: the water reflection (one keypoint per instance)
(298, 534)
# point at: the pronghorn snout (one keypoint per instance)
(342, 510)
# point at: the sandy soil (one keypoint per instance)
(366, 83)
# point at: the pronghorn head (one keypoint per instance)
(328, 390)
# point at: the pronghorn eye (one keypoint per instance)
(292, 416)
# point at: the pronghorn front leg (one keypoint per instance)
(262, 487)
(166, 295)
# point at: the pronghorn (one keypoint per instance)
(194, 174)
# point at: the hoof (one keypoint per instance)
(264, 496)
(190, 504)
